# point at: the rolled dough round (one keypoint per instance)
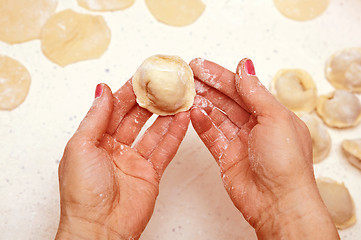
(105, 5)
(176, 12)
(22, 21)
(164, 85)
(301, 10)
(69, 37)
(14, 83)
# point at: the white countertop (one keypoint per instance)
(192, 203)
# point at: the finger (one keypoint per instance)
(131, 125)
(153, 136)
(217, 77)
(124, 100)
(234, 111)
(96, 121)
(211, 136)
(256, 97)
(220, 120)
(168, 146)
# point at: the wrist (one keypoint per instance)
(300, 215)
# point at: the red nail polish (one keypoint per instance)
(249, 67)
(98, 90)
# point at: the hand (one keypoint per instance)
(107, 187)
(264, 152)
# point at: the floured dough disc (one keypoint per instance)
(352, 150)
(176, 12)
(105, 5)
(164, 85)
(69, 37)
(321, 140)
(22, 21)
(343, 69)
(338, 202)
(295, 89)
(339, 109)
(301, 10)
(14, 83)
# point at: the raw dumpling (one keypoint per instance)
(352, 150)
(105, 5)
(22, 21)
(321, 140)
(176, 12)
(164, 85)
(14, 83)
(69, 37)
(338, 202)
(339, 109)
(343, 69)
(295, 89)
(301, 10)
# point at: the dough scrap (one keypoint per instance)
(21, 21)
(321, 140)
(301, 10)
(338, 201)
(352, 150)
(69, 37)
(14, 83)
(176, 12)
(295, 89)
(339, 109)
(164, 85)
(343, 69)
(105, 5)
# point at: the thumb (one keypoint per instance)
(95, 123)
(257, 98)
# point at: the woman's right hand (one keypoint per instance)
(264, 152)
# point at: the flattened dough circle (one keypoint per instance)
(14, 83)
(176, 12)
(164, 85)
(105, 5)
(69, 37)
(301, 10)
(21, 21)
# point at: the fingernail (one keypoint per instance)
(98, 90)
(249, 67)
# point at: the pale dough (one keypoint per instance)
(352, 150)
(339, 109)
(69, 37)
(343, 69)
(176, 12)
(301, 10)
(22, 21)
(321, 139)
(295, 89)
(164, 85)
(105, 5)
(14, 83)
(338, 202)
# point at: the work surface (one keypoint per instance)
(192, 203)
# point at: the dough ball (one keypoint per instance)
(343, 69)
(69, 37)
(21, 21)
(339, 109)
(176, 12)
(105, 5)
(14, 83)
(301, 10)
(164, 85)
(338, 202)
(352, 150)
(321, 140)
(295, 89)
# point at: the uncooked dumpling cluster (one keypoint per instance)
(164, 85)
(352, 150)
(338, 202)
